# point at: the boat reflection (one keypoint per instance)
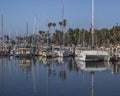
(41, 76)
(25, 64)
(115, 67)
(45, 61)
(92, 68)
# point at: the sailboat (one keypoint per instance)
(23, 50)
(93, 55)
(4, 48)
(61, 50)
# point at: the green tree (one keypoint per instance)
(60, 23)
(54, 25)
(57, 37)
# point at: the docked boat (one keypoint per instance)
(23, 51)
(61, 52)
(77, 50)
(4, 53)
(93, 54)
(4, 50)
(70, 51)
(47, 51)
(114, 53)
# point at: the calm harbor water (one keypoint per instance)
(58, 77)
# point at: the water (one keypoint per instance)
(58, 77)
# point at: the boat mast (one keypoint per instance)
(83, 38)
(34, 30)
(79, 37)
(92, 30)
(1, 32)
(63, 23)
(26, 41)
(9, 34)
(17, 35)
(47, 32)
(27, 29)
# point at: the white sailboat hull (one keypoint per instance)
(93, 55)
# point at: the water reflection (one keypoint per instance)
(116, 67)
(92, 68)
(51, 76)
(25, 64)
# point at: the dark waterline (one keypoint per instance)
(58, 77)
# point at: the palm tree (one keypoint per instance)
(64, 29)
(49, 26)
(64, 22)
(60, 23)
(56, 37)
(54, 25)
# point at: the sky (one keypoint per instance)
(16, 13)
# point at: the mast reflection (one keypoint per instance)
(27, 65)
(54, 67)
(1, 77)
(4, 64)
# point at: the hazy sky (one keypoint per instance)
(77, 13)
